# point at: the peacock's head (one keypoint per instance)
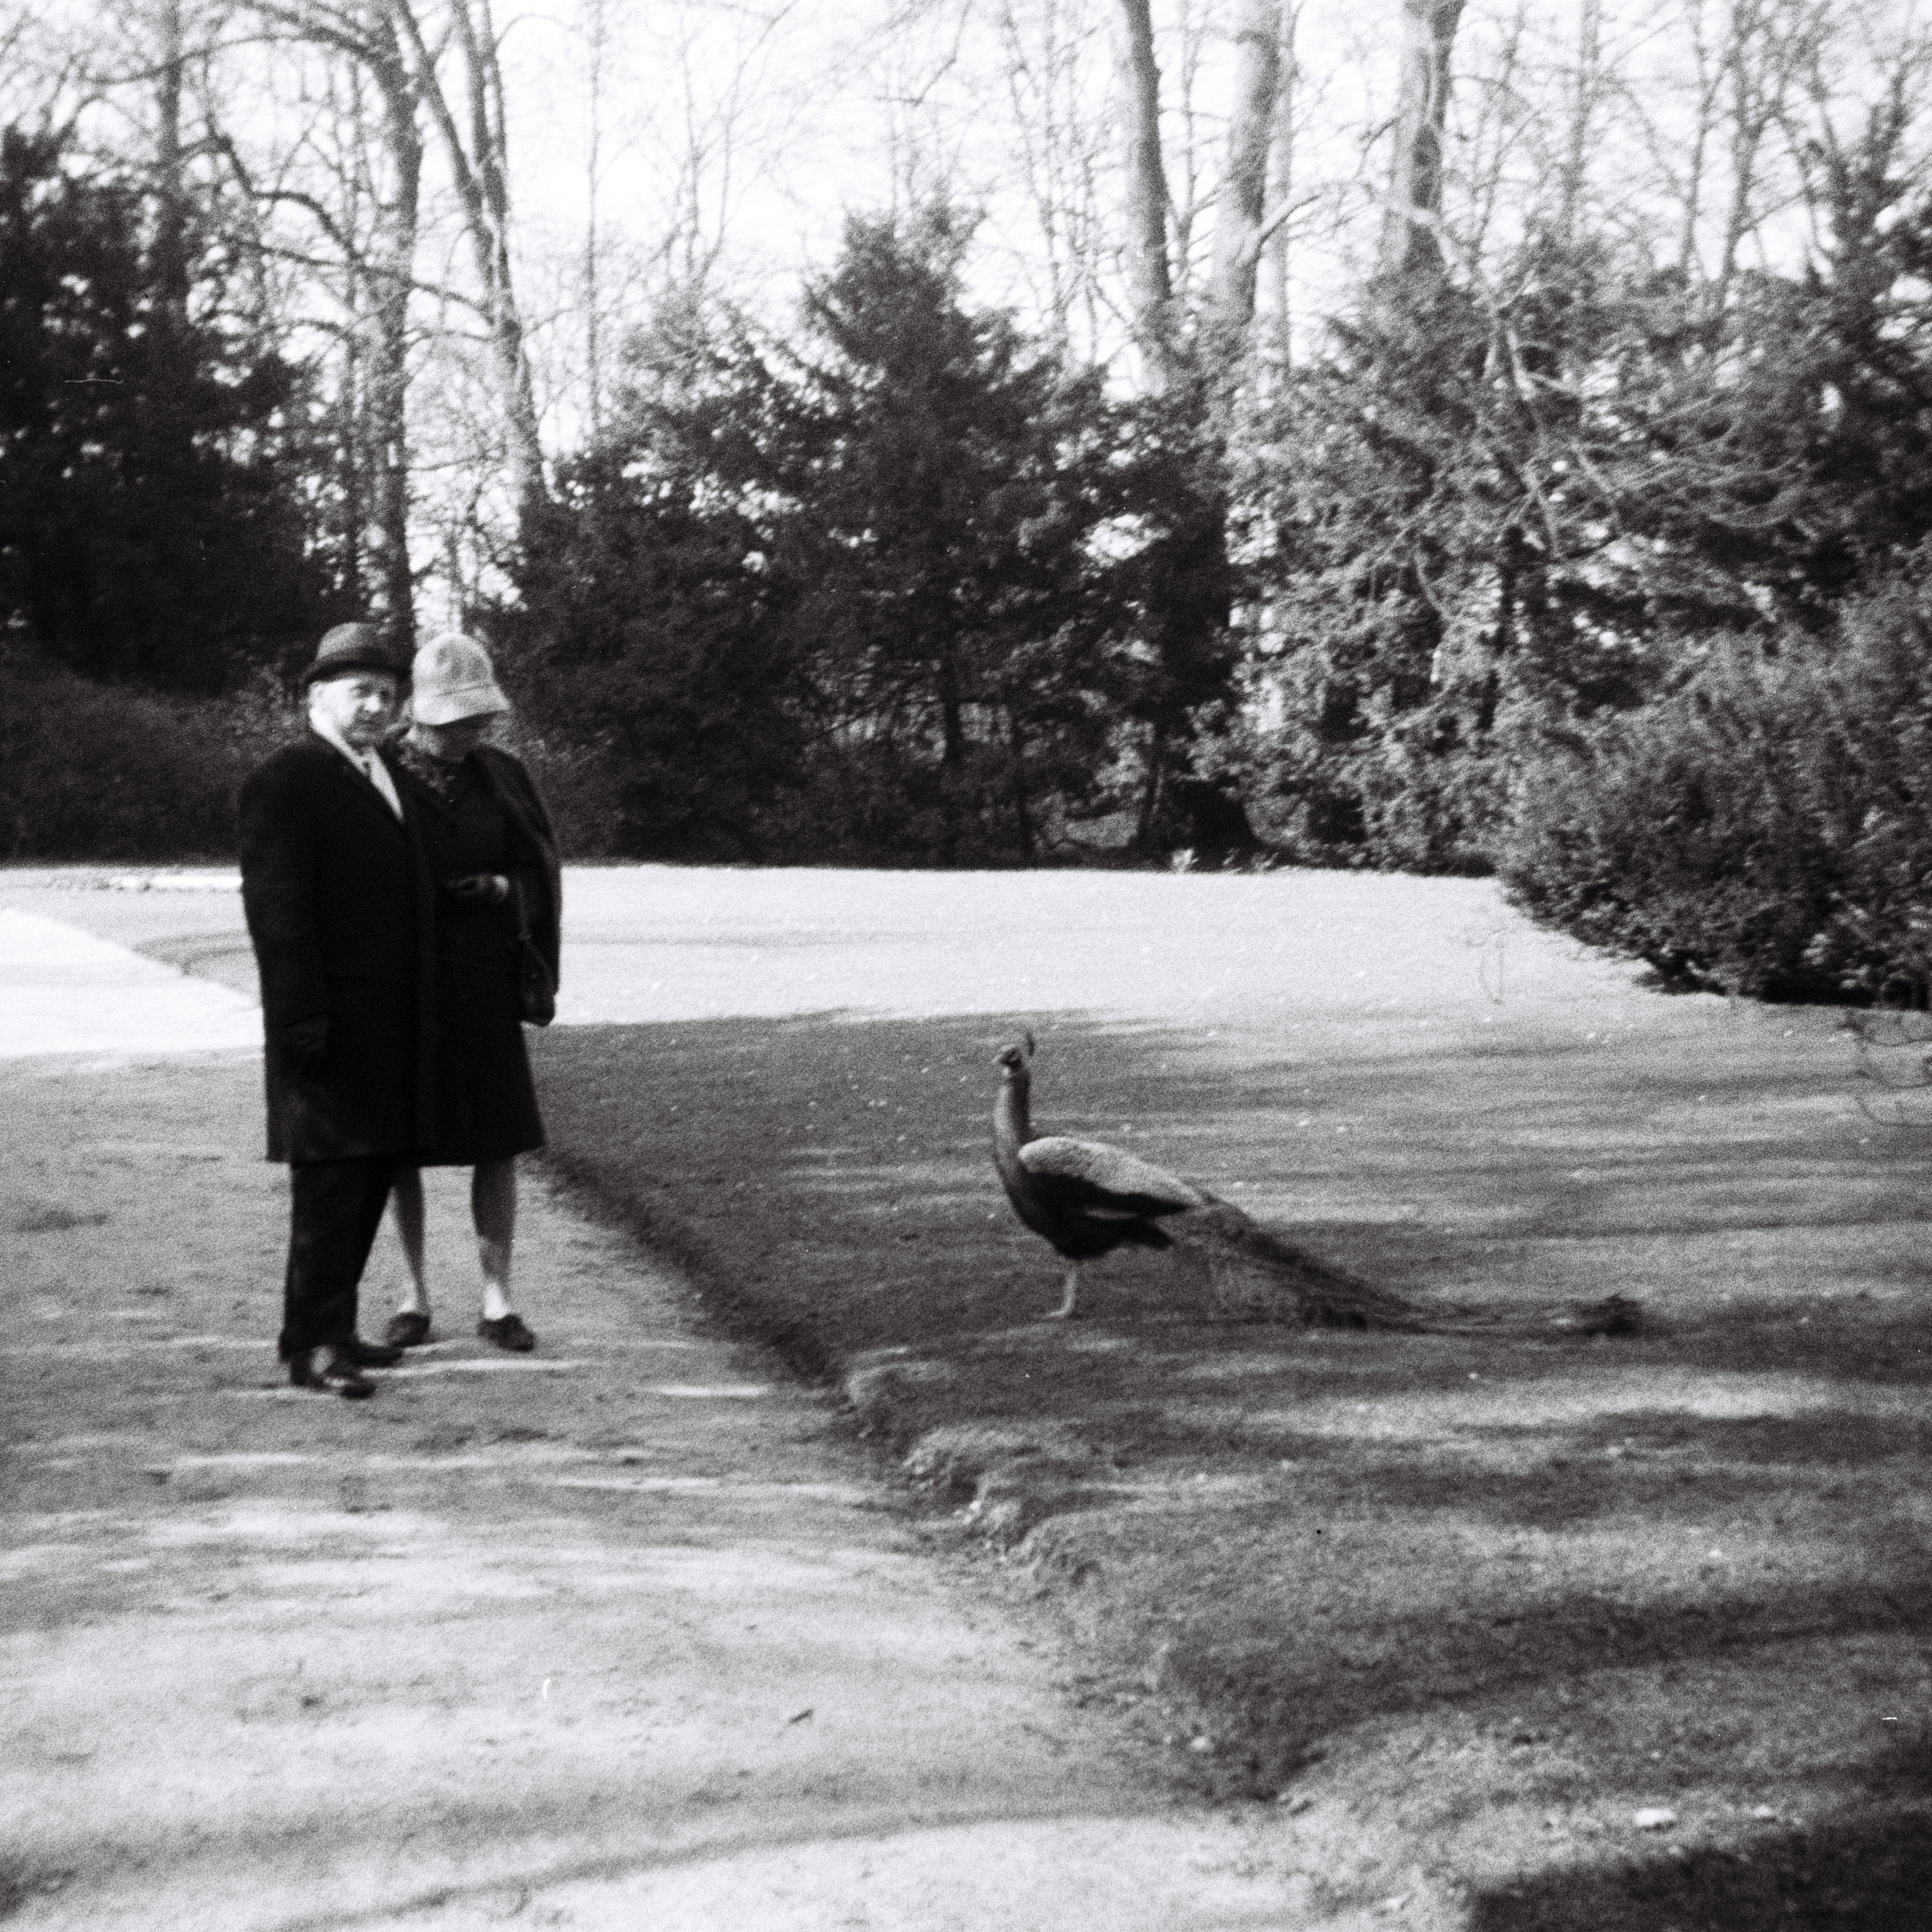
(1014, 1057)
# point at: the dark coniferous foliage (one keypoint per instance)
(1180, 585)
(839, 599)
(151, 526)
(653, 646)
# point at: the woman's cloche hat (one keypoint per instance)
(452, 679)
(349, 648)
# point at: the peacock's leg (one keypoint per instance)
(1064, 1312)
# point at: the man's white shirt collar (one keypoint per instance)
(370, 763)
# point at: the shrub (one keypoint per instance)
(581, 790)
(90, 771)
(1764, 828)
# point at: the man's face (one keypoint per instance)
(362, 706)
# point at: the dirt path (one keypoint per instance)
(611, 1636)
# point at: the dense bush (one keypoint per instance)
(92, 771)
(581, 784)
(1766, 828)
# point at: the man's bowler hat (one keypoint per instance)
(349, 648)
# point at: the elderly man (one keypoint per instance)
(342, 912)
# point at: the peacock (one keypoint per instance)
(1086, 1198)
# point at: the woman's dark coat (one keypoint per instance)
(484, 816)
(342, 911)
(538, 871)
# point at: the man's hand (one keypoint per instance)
(308, 1042)
(485, 888)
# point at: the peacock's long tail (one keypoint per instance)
(1259, 1275)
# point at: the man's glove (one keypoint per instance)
(485, 888)
(307, 1043)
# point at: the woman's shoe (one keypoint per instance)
(508, 1331)
(408, 1329)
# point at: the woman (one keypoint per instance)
(488, 843)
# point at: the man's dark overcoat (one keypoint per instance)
(342, 911)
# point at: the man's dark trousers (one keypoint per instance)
(336, 1206)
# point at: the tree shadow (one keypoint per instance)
(1307, 1676)
(1872, 1873)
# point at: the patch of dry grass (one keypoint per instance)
(1466, 1606)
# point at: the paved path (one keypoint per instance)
(611, 1636)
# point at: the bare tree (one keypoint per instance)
(1410, 245)
(476, 150)
(365, 196)
(1240, 232)
(1771, 43)
(1150, 273)
(1061, 145)
(1710, 73)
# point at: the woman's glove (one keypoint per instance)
(483, 888)
(308, 1042)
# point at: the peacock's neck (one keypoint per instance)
(1012, 1121)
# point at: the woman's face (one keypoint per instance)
(454, 740)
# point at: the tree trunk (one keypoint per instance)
(951, 712)
(170, 244)
(350, 439)
(597, 26)
(1239, 233)
(1022, 810)
(1149, 274)
(394, 270)
(1273, 299)
(1154, 784)
(1710, 86)
(1582, 111)
(1410, 244)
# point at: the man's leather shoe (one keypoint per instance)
(331, 1370)
(372, 1354)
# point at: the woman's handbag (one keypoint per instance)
(536, 991)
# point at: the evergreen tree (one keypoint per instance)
(650, 638)
(841, 597)
(151, 519)
(944, 477)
